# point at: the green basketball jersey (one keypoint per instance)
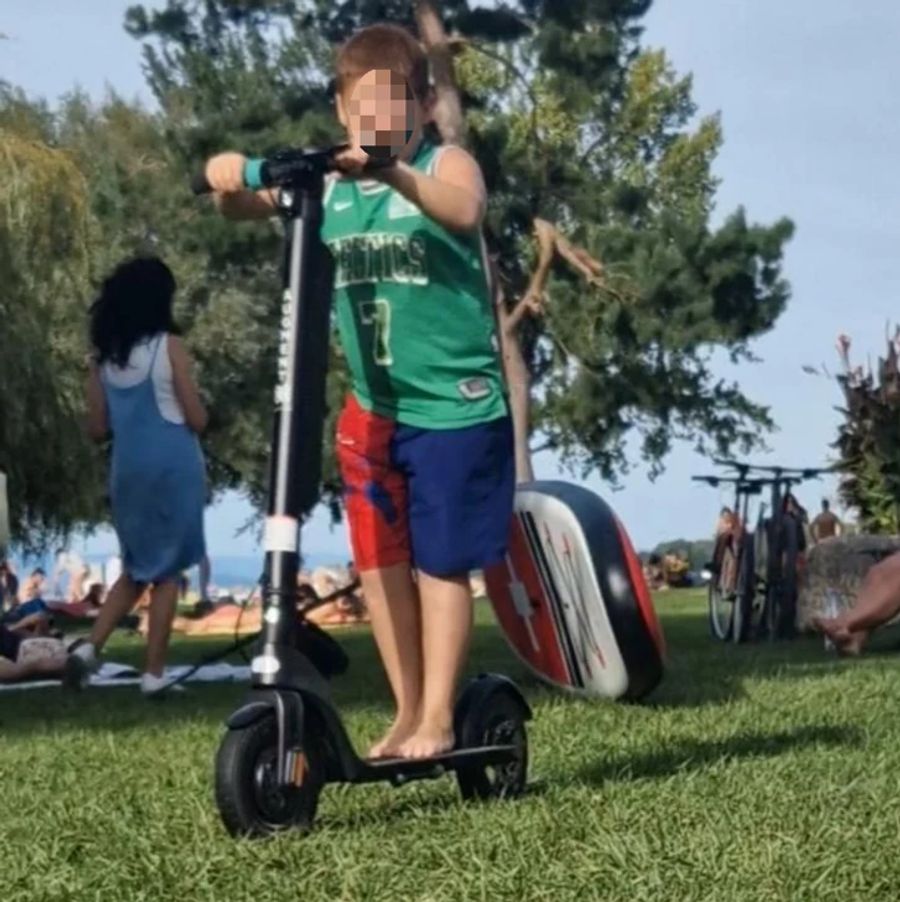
(413, 307)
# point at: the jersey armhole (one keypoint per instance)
(330, 182)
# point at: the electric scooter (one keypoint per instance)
(286, 741)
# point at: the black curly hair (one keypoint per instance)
(135, 302)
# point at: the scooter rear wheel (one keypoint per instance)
(250, 801)
(500, 722)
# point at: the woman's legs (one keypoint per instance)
(163, 602)
(121, 599)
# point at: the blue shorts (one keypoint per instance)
(26, 609)
(438, 499)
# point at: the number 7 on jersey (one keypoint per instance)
(378, 313)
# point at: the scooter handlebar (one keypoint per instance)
(286, 168)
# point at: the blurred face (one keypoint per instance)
(381, 115)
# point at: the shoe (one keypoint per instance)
(154, 686)
(81, 663)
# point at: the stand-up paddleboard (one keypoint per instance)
(571, 595)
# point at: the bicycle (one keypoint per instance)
(733, 585)
(771, 612)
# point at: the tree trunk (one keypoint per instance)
(448, 115)
(518, 379)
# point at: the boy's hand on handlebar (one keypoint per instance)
(225, 172)
(352, 163)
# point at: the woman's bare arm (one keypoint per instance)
(185, 388)
(97, 418)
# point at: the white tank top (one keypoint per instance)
(139, 367)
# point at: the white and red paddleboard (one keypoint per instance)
(571, 596)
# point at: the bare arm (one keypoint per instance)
(97, 419)
(245, 204)
(185, 388)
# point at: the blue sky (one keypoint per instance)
(811, 114)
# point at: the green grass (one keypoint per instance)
(761, 772)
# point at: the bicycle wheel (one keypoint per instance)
(745, 594)
(721, 594)
(786, 612)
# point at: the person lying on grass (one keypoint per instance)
(226, 619)
(877, 603)
(30, 658)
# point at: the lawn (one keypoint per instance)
(768, 772)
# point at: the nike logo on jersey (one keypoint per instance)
(342, 205)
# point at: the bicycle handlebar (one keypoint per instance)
(779, 473)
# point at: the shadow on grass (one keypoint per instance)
(365, 813)
(693, 755)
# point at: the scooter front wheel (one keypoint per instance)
(250, 799)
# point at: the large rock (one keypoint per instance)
(839, 564)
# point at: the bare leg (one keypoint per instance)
(163, 603)
(121, 599)
(394, 609)
(446, 631)
(49, 667)
(877, 602)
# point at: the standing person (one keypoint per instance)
(826, 524)
(425, 438)
(140, 390)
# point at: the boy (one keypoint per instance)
(425, 438)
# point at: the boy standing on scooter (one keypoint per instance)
(425, 438)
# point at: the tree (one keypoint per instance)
(586, 141)
(868, 441)
(53, 474)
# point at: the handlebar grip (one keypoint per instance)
(255, 174)
(199, 184)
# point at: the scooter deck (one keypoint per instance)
(403, 770)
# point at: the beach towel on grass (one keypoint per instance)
(111, 674)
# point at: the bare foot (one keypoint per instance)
(390, 744)
(428, 740)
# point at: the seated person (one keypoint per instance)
(28, 658)
(87, 607)
(33, 587)
(28, 617)
(877, 603)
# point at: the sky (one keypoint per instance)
(808, 95)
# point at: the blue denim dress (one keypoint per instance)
(157, 484)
